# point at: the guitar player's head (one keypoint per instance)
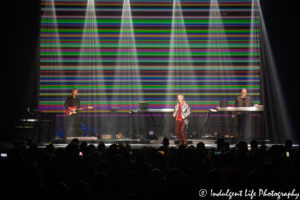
(74, 92)
(244, 93)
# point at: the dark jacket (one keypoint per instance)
(239, 103)
(68, 102)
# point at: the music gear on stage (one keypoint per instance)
(74, 109)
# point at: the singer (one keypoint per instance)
(181, 113)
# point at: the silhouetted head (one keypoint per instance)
(242, 147)
(61, 192)
(32, 176)
(171, 174)
(157, 176)
(235, 181)
(102, 182)
(159, 161)
(254, 144)
(130, 178)
(76, 141)
(253, 177)
(166, 142)
(220, 143)
(190, 156)
(201, 146)
(39, 192)
(83, 144)
(72, 151)
(101, 146)
(182, 148)
(213, 179)
(123, 152)
(182, 182)
(92, 148)
(172, 152)
(288, 145)
(59, 152)
(141, 158)
(50, 148)
(80, 190)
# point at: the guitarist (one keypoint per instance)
(72, 101)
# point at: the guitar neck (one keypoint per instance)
(77, 109)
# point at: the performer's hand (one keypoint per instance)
(174, 115)
(182, 116)
(232, 116)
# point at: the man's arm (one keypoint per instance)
(188, 112)
(66, 104)
(174, 113)
(235, 105)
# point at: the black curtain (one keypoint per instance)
(279, 70)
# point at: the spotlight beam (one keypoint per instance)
(180, 61)
(90, 60)
(127, 81)
(276, 118)
(55, 58)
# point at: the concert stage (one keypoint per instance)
(117, 58)
(136, 129)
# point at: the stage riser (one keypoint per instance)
(104, 124)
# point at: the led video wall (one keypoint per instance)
(118, 53)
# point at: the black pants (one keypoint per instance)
(242, 120)
(72, 129)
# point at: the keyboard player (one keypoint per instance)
(242, 117)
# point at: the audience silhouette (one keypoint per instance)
(82, 171)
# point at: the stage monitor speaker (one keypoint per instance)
(72, 129)
(47, 130)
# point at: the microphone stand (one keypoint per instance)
(114, 110)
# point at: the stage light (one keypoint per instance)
(254, 42)
(180, 61)
(49, 32)
(90, 64)
(151, 135)
(127, 84)
(277, 123)
(50, 45)
(218, 50)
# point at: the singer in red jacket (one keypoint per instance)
(181, 113)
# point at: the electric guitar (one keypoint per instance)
(74, 109)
